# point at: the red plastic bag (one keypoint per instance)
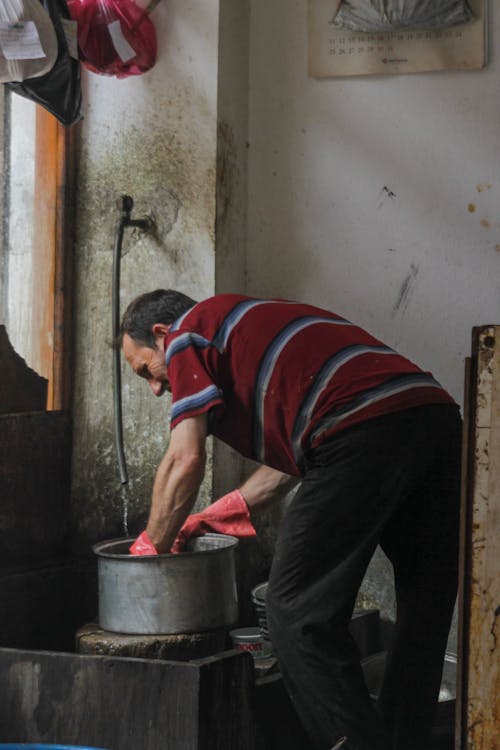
(115, 37)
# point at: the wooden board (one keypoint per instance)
(53, 218)
(478, 715)
(126, 704)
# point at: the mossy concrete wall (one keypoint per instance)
(176, 140)
(153, 137)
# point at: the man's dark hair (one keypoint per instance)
(161, 306)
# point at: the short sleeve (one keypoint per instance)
(194, 390)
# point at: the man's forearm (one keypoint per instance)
(175, 490)
(177, 481)
(266, 486)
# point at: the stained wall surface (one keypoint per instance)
(379, 195)
(152, 137)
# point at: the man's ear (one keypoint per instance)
(160, 330)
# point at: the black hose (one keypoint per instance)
(125, 221)
(117, 375)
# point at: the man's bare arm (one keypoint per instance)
(177, 481)
(266, 486)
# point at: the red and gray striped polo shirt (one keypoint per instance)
(280, 377)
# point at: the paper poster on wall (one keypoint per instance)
(338, 51)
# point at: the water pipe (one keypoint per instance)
(126, 205)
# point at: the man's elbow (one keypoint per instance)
(190, 461)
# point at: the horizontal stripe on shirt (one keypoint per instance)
(393, 387)
(183, 342)
(195, 401)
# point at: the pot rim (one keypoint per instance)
(99, 549)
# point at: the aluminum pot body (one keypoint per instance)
(166, 594)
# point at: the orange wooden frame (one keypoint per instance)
(52, 255)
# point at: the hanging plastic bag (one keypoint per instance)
(28, 41)
(58, 91)
(115, 37)
(389, 15)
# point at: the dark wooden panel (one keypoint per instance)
(34, 485)
(42, 608)
(21, 388)
(226, 719)
(124, 704)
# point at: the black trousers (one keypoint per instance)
(393, 481)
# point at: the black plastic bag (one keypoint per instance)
(58, 91)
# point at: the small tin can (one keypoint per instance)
(251, 640)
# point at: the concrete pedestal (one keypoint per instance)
(91, 639)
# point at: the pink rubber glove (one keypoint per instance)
(228, 515)
(143, 546)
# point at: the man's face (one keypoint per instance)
(148, 363)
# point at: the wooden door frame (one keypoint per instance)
(54, 213)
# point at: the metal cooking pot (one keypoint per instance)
(167, 594)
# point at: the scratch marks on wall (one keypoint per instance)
(406, 291)
(227, 172)
(386, 194)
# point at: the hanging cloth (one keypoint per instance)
(28, 41)
(58, 91)
(115, 37)
(389, 15)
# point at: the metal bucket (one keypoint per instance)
(374, 666)
(444, 719)
(167, 594)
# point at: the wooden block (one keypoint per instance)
(91, 639)
(127, 704)
(21, 388)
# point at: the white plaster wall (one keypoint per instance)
(376, 197)
(20, 234)
(418, 269)
(153, 137)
